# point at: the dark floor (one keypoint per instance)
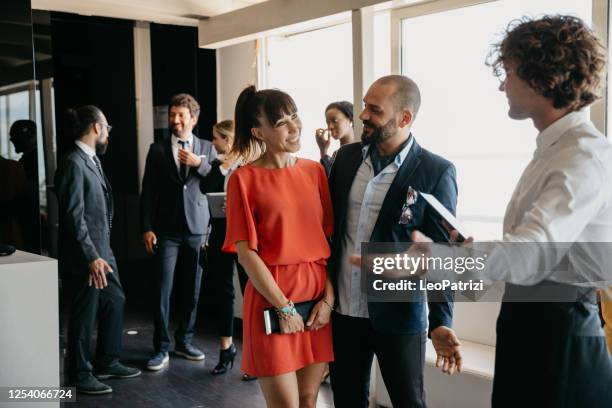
(184, 383)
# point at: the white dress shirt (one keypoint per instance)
(176, 147)
(563, 196)
(86, 149)
(364, 203)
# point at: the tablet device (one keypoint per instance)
(446, 215)
(216, 203)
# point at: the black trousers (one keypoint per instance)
(221, 274)
(87, 304)
(401, 359)
(178, 254)
(551, 355)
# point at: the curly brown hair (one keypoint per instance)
(184, 100)
(558, 56)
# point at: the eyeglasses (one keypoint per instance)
(502, 73)
(108, 127)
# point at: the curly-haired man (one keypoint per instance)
(554, 354)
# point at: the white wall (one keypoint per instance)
(236, 68)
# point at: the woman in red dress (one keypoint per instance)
(279, 217)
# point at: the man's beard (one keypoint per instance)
(379, 133)
(101, 148)
(179, 133)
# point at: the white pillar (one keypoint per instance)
(144, 93)
(363, 59)
(600, 16)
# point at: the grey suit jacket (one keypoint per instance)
(167, 201)
(85, 210)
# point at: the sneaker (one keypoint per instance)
(90, 385)
(117, 370)
(158, 361)
(189, 352)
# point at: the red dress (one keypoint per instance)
(285, 215)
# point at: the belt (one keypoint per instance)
(547, 291)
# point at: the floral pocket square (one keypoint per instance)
(406, 214)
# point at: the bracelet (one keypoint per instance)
(285, 312)
(330, 306)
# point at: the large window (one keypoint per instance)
(463, 115)
(14, 105)
(315, 68)
(19, 102)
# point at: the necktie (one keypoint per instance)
(106, 194)
(99, 167)
(184, 171)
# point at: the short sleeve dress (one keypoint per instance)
(285, 215)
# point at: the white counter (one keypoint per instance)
(29, 325)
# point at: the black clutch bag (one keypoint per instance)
(271, 318)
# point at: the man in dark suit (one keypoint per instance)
(175, 218)
(23, 137)
(370, 186)
(86, 259)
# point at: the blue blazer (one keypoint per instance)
(166, 198)
(425, 172)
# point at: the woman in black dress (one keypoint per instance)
(221, 264)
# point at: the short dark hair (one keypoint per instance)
(343, 106)
(406, 95)
(250, 107)
(81, 118)
(23, 129)
(185, 100)
(558, 56)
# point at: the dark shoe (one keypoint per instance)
(246, 377)
(90, 385)
(189, 352)
(117, 370)
(158, 361)
(226, 358)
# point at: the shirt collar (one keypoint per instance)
(176, 139)
(553, 132)
(85, 148)
(399, 158)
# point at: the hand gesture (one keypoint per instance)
(420, 247)
(150, 240)
(97, 273)
(447, 348)
(454, 235)
(293, 324)
(319, 316)
(188, 158)
(323, 141)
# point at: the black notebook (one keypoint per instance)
(271, 318)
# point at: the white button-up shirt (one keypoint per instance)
(86, 149)
(563, 196)
(365, 200)
(176, 147)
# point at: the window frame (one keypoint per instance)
(599, 22)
